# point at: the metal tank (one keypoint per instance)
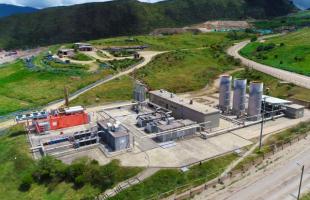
(225, 92)
(239, 97)
(255, 100)
(139, 93)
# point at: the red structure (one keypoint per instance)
(60, 119)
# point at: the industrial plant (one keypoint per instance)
(153, 120)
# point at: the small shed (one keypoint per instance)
(65, 52)
(294, 111)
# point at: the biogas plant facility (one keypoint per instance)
(161, 129)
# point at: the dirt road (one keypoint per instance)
(297, 79)
(147, 55)
(278, 181)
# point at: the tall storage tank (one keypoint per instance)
(239, 97)
(139, 93)
(225, 91)
(255, 100)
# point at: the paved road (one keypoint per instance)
(291, 77)
(282, 184)
(279, 181)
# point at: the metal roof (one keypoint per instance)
(295, 106)
(274, 100)
(198, 107)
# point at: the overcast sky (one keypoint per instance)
(50, 3)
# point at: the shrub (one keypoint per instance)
(254, 38)
(26, 182)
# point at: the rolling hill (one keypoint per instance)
(302, 4)
(7, 10)
(125, 17)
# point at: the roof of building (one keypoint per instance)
(199, 107)
(65, 50)
(295, 106)
(274, 100)
(175, 125)
(122, 131)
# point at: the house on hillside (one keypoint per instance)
(83, 46)
(65, 52)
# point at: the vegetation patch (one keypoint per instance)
(276, 87)
(169, 179)
(21, 88)
(81, 57)
(23, 178)
(290, 52)
(119, 65)
(116, 90)
(185, 70)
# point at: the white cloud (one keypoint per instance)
(50, 3)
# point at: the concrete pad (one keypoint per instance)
(185, 152)
(95, 154)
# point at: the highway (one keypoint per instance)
(279, 181)
(297, 79)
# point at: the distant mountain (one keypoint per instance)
(7, 10)
(126, 17)
(302, 4)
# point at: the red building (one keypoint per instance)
(62, 118)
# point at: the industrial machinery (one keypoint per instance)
(239, 97)
(255, 100)
(225, 92)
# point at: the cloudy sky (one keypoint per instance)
(49, 3)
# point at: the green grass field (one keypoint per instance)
(21, 88)
(177, 71)
(298, 19)
(277, 89)
(171, 42)
(116, 90)
(184, 70)
(81, 57)
(17, 162)
(169, 179)
(291, 52)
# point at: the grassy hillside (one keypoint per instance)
(7, 10)
(299, 19)
(125, 17)
(192, 62)
(277, 89)
(16, 164)
(21, 88)
(168, 42)
(290, 52)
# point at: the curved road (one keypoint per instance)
(297, 79)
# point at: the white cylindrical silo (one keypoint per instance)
(225, 91)
(139, 93)
(255, 100)
(239, 97)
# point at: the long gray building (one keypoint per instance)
(186, 109)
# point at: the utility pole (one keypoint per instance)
(66, 96)
(302, 174)
(262, 125)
